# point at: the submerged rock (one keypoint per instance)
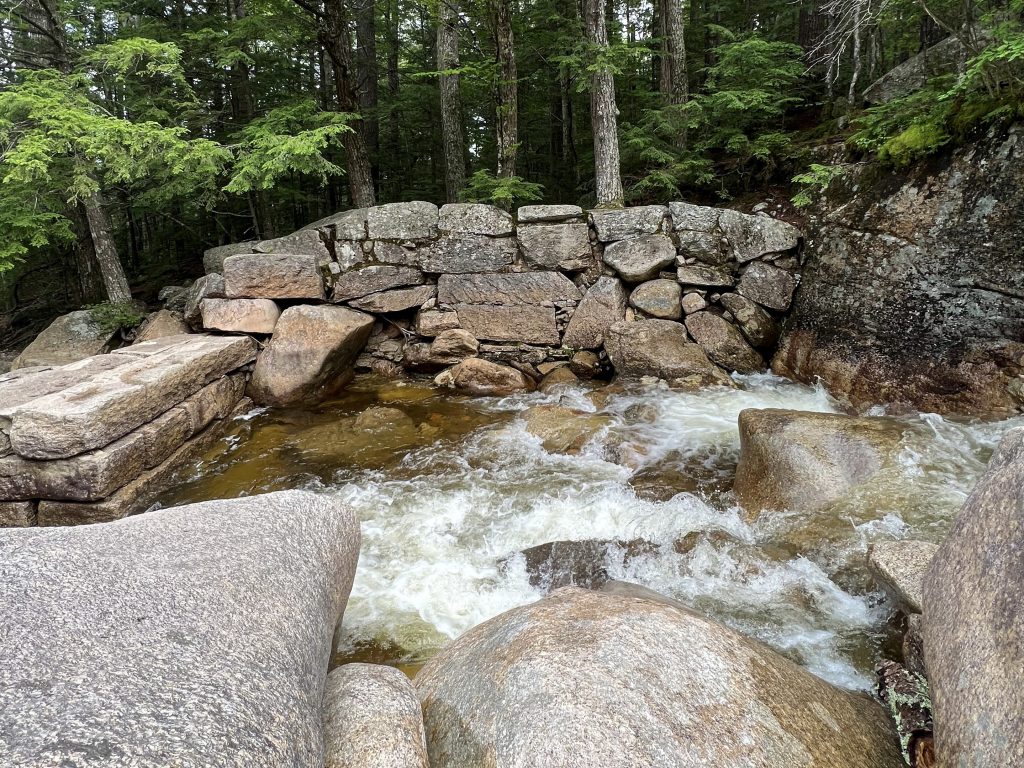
(197, 635)
(372, 719)
(630, 678)
(558, 378)
(803, 461)
(310, 355)
(561, 429)
(973, 622)
(71, 337)
(482, 377)
(557, 564)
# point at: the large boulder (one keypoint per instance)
(912, 290)
(240, 315)
(768, 285)
(464, 254)
(198, 635)
(641, 258)
(629, 678)
(724, 343)
(209, 286)
(804, 461)
(213, 258)
(661, 348)
(757, 325)
(751, 237)
(482, 377)
(603, 305)
(556, 246)
(70, 337)
(372, 719)
(945, 56)
(374, 279)
(658, 298)
(622, 223)
(310, 355)
(973, 623)
(273, 276)
(416, 220)
(475, 219)
(305, 242)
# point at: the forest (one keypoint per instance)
(136, 133)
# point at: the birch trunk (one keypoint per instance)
(603, 113)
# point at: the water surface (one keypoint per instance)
(449, 488)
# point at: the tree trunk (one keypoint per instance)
(505, 96)
(855, 76)
(451, 100)
(366, 73)
(102, 234)
(675, 37)
(603, 113)
(333, 34)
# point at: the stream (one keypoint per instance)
(450, 488)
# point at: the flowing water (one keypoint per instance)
(450, 488)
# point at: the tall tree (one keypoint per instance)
(333, 33)
(451, 99)
(366, 72)
(603, 112)
(506, 92)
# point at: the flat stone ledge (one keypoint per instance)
(900, 567)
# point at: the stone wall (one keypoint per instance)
(680, 291)
(98, 438)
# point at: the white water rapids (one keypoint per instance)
(439, 519)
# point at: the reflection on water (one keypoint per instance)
(448, 487)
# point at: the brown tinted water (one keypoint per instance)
(449, 488)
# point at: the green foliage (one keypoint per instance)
(814, 181)
(728, 133)
(289, 139)
(113, 317)
(914, 143)
(505, 192)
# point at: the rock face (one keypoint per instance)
(273, 276)
(900, 567)
(973, 624)
(913, 288)
(310, 355)
(584, 678)
(724, 343)
(143, 667)
(482, 377)
(372, 719)
(803, 461)
(70, 337)
(642, 258)
(660, 348)
(913, 74)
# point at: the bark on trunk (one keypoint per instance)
(505, 96)
(366, 73)
(102, 234)
(603, 113)
(451, 100)
(675, 36)
(334, 36)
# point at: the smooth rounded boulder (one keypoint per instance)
(803, 461)
(310, 355)
(973, 622)
(192, 636)
(372, 719)
(629, 679)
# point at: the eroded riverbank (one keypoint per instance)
(452, 486)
